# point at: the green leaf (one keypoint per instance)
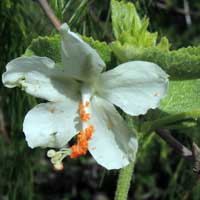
(135, 42)
(164, 44)
(179, 64)
(124, 18)
(182, 103)
(50, 47)
(102, 48)
(183, 97)
(45, 46)
(129, 29)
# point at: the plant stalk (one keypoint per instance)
(124, 182)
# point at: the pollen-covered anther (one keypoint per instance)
(89, 131)
(83, 115)
(84, 136)
(81, 106)
(81, 147)
(75, 150)
(83, 144)
(87, 103)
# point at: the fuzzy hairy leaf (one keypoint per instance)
(45, 46)
(50, 47)
(179, 110)
(135, 42)
(183, 97)
(179, 64)
(129, 29)
(102, 48)
(182, 103)
(125, 20)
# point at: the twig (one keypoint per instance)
(49, 13)
(187, 13)
(196, 153)
(175, 144)
(193, 156)
(178, 10)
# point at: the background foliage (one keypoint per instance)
(27, 174)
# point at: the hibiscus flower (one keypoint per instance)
(82, 98)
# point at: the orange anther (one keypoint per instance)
(84, 136)
(85, 116)
(74, 150)
(81, 133)
(87, 103)
(89, 132)
(91, 127)
(82, 112)
(81, 106)
(89, 135)
(83, 143)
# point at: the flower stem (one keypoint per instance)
(124, 181)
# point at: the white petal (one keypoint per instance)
(134, 86)
(113, 144)
(80, 60)
(51, 124)
(39, 77)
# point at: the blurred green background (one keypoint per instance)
(27, 174)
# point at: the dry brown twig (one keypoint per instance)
(192, 156)
(49, 13)
(178, 10)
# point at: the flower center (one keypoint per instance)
(85, 135)
(81, 147)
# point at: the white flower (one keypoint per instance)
(134, 86)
